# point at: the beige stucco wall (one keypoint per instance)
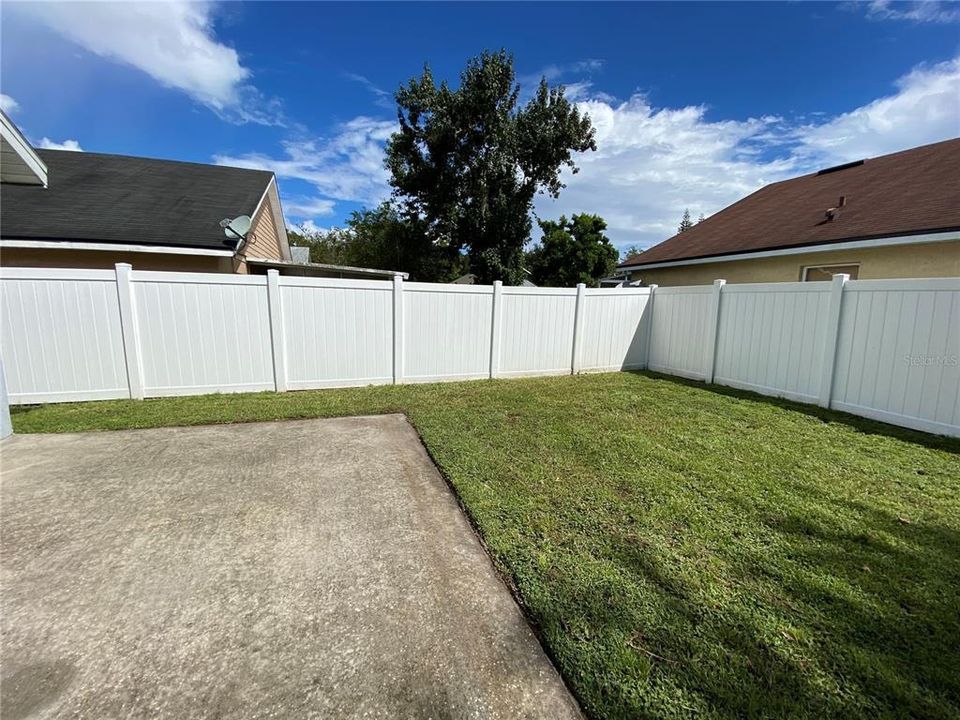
(899, 261)
(42, 257)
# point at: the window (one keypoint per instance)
(826, 272)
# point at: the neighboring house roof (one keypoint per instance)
(129, 200)
(471, 279)
(311, 269)
(907, 193)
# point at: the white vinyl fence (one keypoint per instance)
(884, 349)
(96, 334)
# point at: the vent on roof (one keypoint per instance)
(837, 168)
(834, 212)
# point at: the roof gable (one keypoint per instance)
(906, 193)
(93, 197)
(19, 162)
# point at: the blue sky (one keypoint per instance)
(695, 104)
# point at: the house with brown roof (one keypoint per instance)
(894, 216)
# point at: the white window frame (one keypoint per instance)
(807, 268)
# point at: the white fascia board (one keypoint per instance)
(279, 225)
(19, 144)
(278, 220)
(113, 247)
(804, 249)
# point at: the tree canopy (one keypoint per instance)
(467, 163)
(382, 238)
(572, 251)
(629, 252)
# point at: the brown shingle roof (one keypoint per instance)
(906, 193)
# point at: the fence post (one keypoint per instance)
(128, 328)
(397, 329)
(713, 324)
(831, 333)
(6, 426)
(577, 329)
(277, 342)
(495, 317)
(648, 330)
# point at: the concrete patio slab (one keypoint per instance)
(316, 568)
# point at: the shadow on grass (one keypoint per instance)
(860, 424)
(823, 622)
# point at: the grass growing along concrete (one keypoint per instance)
(683, 551)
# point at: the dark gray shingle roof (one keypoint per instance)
(117, 199)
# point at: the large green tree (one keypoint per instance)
(572, 251)
(467, 162)
(382, 238)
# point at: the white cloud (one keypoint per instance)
(8, 104)
(928, 11)
(554, 73)
(382, 98)
(651, 163)
(48, 144)
(346, 166)
(309, 207)
(925, 109)
(584, 90)
(575, 77)
(173, 42)
(309, 227)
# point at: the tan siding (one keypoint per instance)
(901, 261)
(99, 259)
(263, 241)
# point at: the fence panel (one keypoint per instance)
(337, 332)
(202, 333)
(447, 331)
(614, 326)
(770, 338)
(61, 338)
(679, 333)
(93, 334)
(537, 331)
(898, 352)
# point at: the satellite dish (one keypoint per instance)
(237, 228)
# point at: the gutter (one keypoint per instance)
(114, 247)
(802, 249)
(281, 264)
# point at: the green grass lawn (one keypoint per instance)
(683, 551)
